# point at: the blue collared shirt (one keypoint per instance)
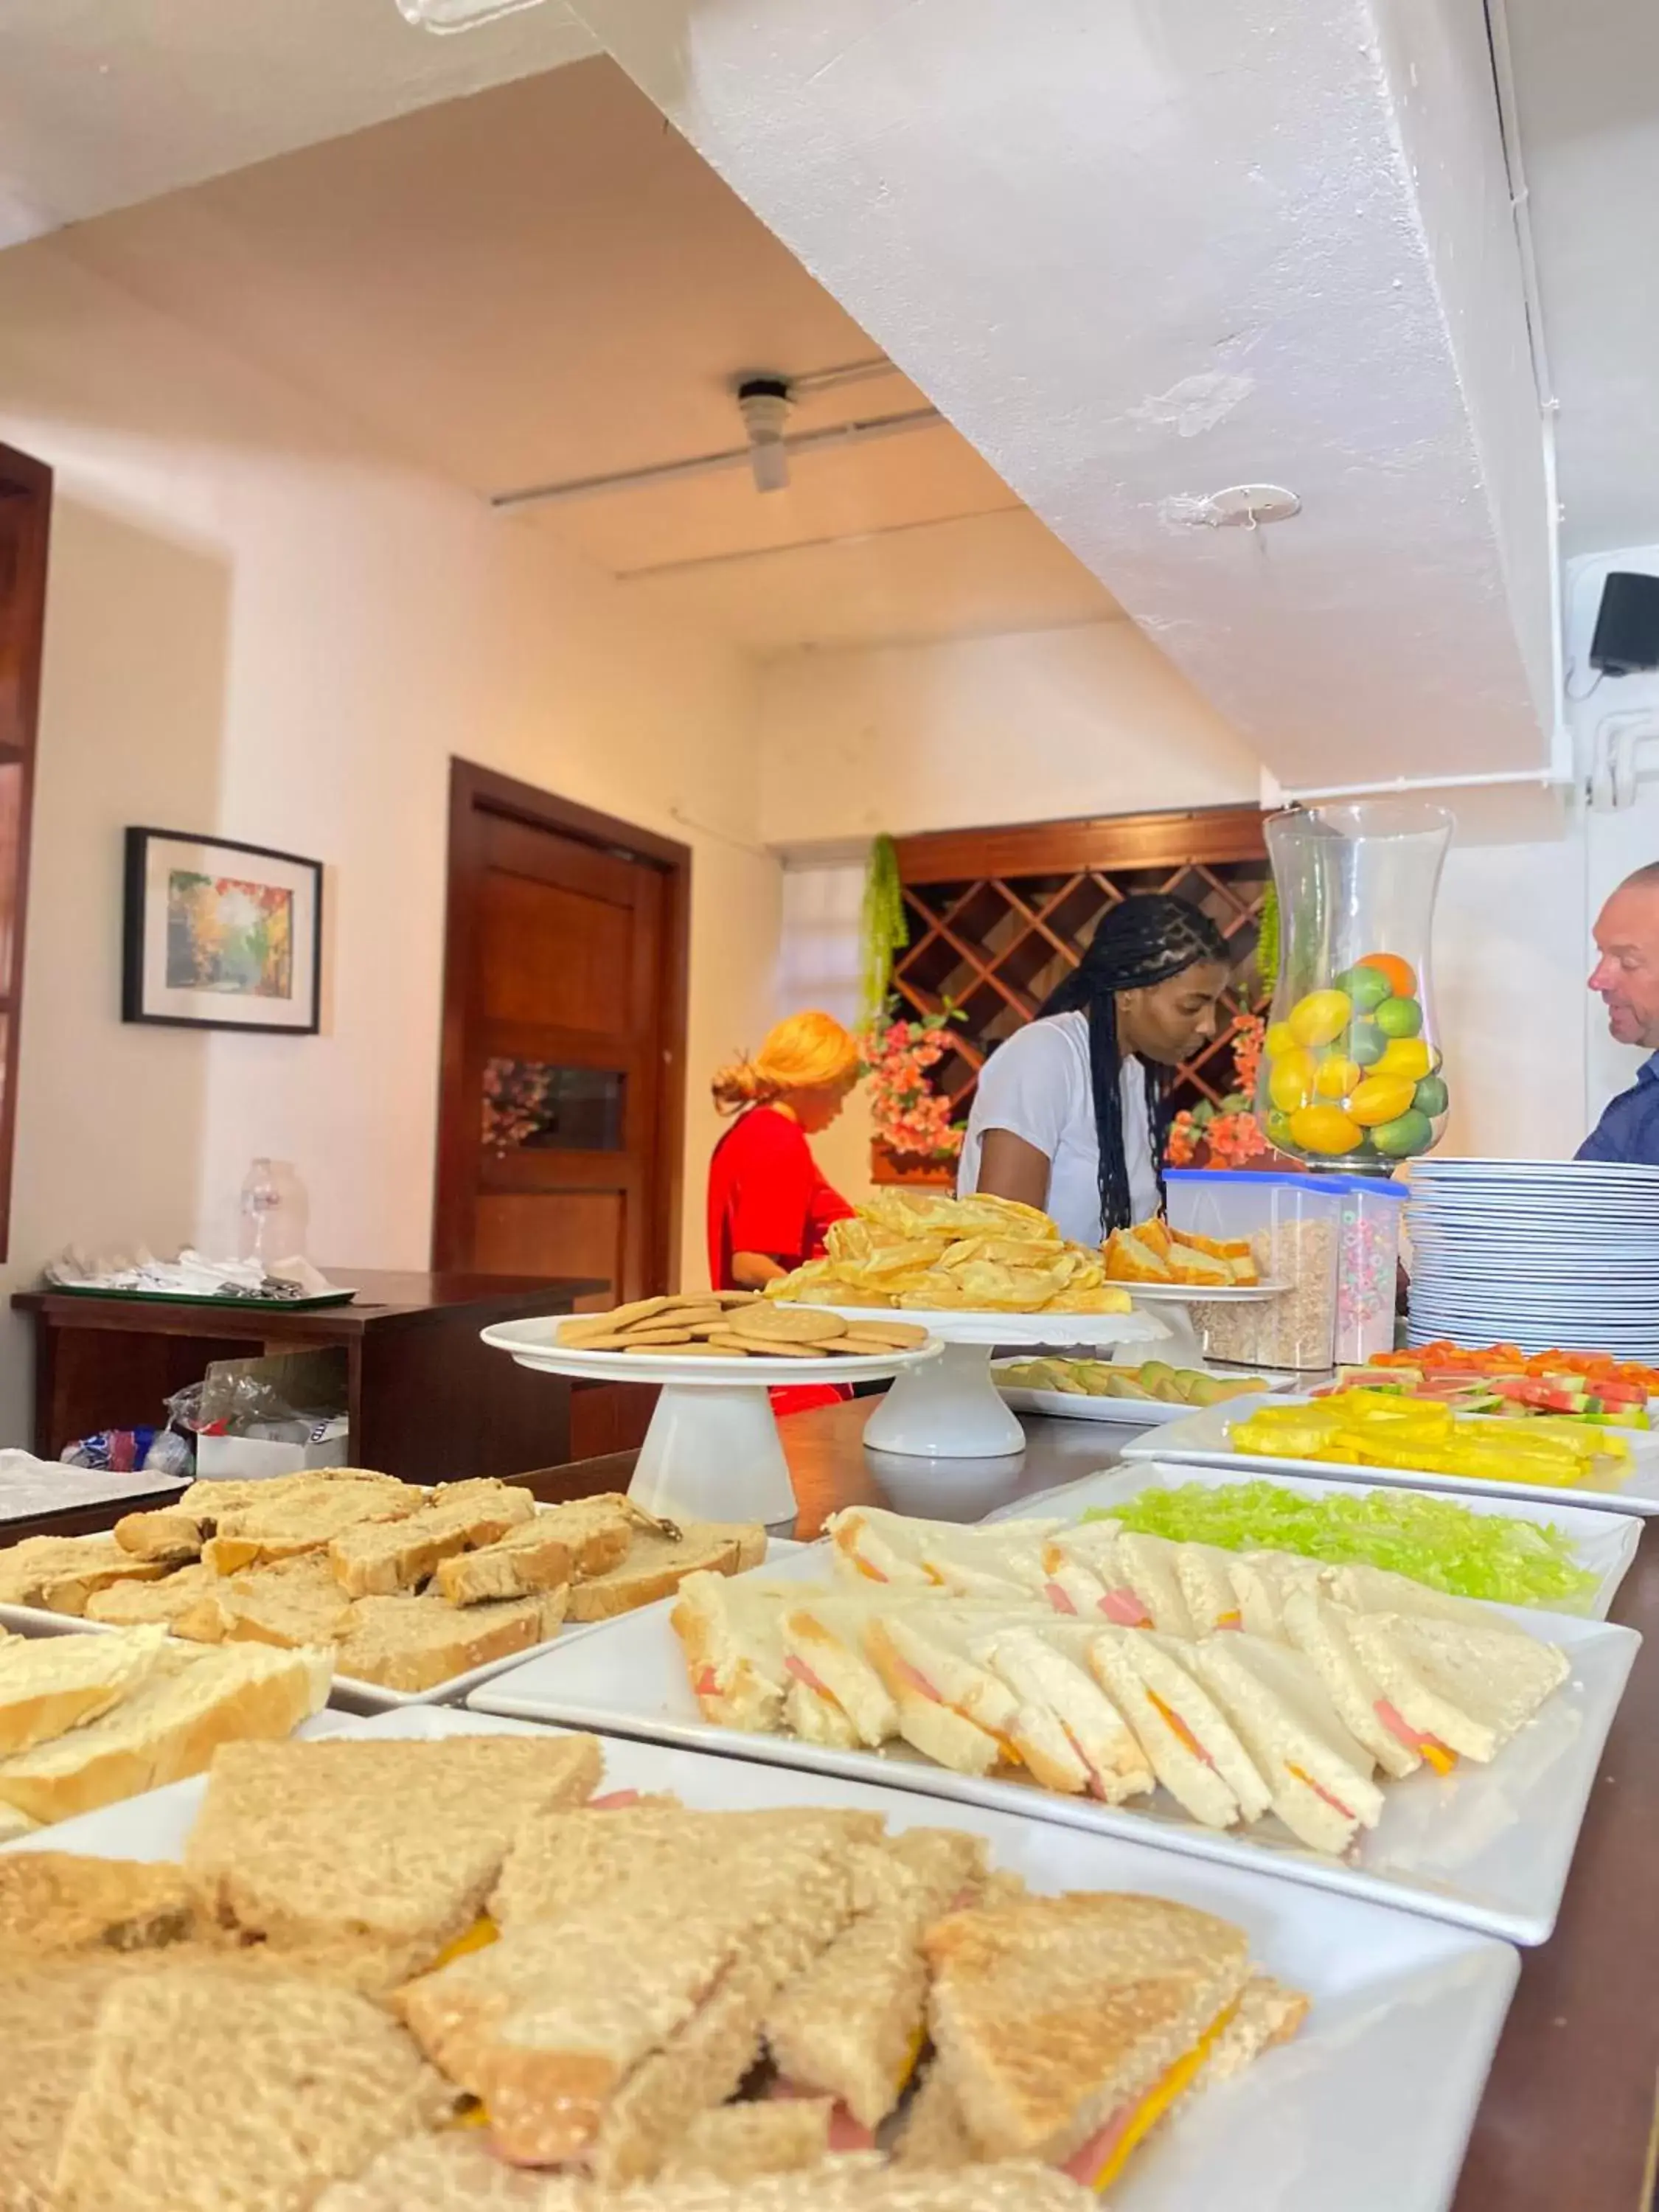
(1629, 1130)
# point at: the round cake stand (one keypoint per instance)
(949, 1407)
(712, 1452)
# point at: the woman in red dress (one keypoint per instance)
(769, 1207)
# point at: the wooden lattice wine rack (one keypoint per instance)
(999, 917)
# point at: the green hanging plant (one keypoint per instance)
(1267, 943)
(883, 930)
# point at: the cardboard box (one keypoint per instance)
(252, 1457)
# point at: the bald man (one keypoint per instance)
(1625, 978)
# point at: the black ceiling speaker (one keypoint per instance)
(1627, 627)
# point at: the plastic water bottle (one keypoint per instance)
(274, 1213)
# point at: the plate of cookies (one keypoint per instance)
(717, 1338)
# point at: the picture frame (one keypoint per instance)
(221, 935)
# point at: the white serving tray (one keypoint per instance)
(1118, 1412)
(347, 1694)
(1487, 1846)
(1204, 1438)
(1603, 1543)
(1368, 2110)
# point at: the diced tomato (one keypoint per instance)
(706, 1683)
(1058, 1598)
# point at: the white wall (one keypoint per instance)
(1065, 722)
(258, 624)
(1031, 726)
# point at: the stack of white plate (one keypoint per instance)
(1542, 1253)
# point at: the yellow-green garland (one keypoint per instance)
(883, 930)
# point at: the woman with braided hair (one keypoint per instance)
(1069, 1113)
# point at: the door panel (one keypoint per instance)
(518, 1229)
(547, 954)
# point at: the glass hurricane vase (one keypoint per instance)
(1351, 1075)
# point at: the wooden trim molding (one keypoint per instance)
(26, 521)
(1111, 841)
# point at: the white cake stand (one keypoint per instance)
(950, 1408)
(712, 1452)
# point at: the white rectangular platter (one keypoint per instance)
(1118, 1412)
(347, 1694)
(1368, 2110)
(1204, 1438)
(1487, 1846)
(1604, 1544)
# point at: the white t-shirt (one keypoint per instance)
(1037, 1086)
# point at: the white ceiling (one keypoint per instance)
(1142, 253)
(1587, 83)
(544, 282)
(107, 102)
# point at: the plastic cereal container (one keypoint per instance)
(1333, 1240)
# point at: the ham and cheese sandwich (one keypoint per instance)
(911, 1557)
(1320, 1776)
(1067, 2027)
(1192, 1747)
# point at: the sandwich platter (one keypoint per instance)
(1604, 1544)
(1204, 1439)
(1404, 2012)
(1487, 1846)
(1132, 1412)
(349, 1693)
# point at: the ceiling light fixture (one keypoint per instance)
(458, 14)
(764, 402)
(1245, 506)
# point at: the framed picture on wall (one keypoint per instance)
(220, 935)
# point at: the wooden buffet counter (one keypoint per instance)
(1567, 2120)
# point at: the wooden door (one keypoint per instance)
(563, 1090)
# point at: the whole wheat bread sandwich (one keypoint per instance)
(195, 1698)
(389, 1846)
(60, 1573)
(453, 2172)
(169, 1534)
(598, 2035)
(660, 1560)
(49, 1684)
(561, 1862)
(133, 1603)
(52, 1902)
(216, 2087)
(414, 1643)
(853, 2024)
(1067, 2026)
(287, 1602)
(49, 2009)
(377, 1557)
(306, 1517)
(528, 1559)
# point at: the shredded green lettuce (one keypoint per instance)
(1433, 1539)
